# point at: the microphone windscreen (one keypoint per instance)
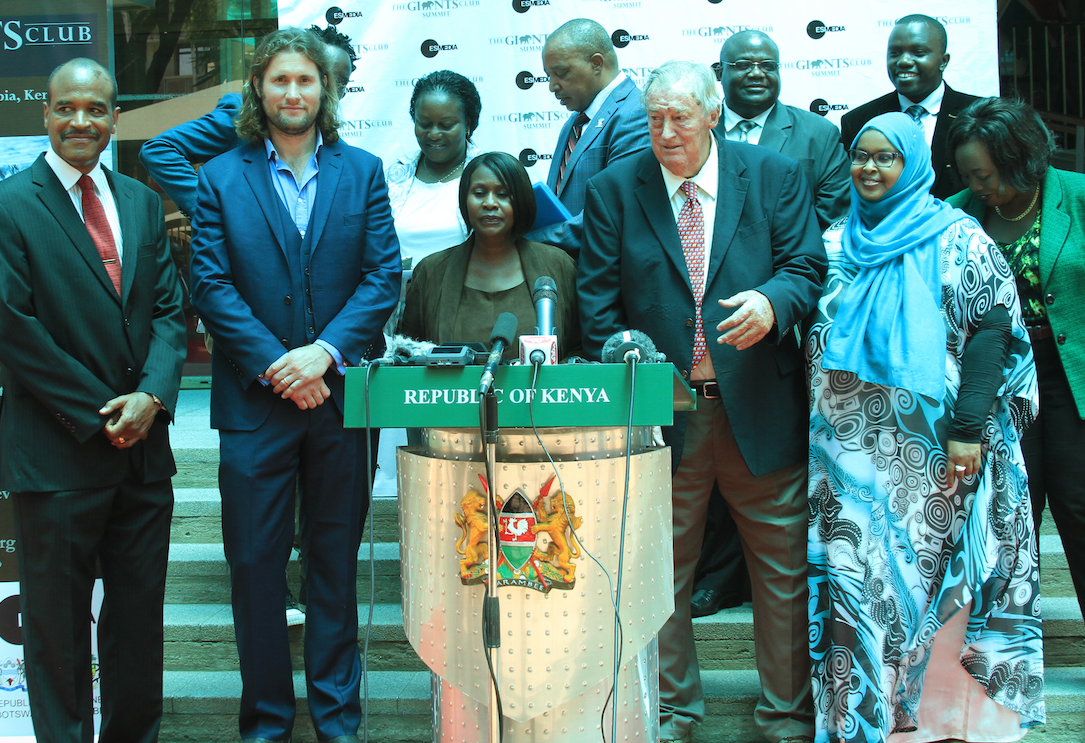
(504, 329)
(545, 288)
(401, 348)
(617, 345)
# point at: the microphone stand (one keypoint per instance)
(491, 615)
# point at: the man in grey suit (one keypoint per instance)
(580, 60)
(92, 339)
(749, 70)
(713, 250)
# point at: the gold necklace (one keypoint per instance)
(451, 173)
(1019, 217)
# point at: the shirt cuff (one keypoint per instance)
(266, 382)
(340, 362)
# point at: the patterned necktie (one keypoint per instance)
(100, 232)
(691, 233)
(916, 112)
(744, 128)
(574, 137)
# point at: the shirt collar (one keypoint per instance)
(273, 154)
(69, 176)
(731, 119)
(707, 179)
(602, 95)
(932, 104)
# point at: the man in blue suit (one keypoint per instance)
(579, 58)
(295, 268)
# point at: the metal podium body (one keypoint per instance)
(555, 664)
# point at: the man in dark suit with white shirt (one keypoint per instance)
(712, 249)
(583, 68)
(92, 339)
(916, 60)
(749, 70)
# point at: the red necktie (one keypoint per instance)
(691, 233)
(574, 137)
(100, 231)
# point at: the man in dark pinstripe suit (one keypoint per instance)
(92, 340)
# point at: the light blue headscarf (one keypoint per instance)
(889, 328)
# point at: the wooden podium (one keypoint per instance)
(555, 663)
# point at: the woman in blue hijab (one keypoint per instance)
(923, 561)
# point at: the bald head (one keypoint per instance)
(737, 45)
(580, 61)
(85, 71)
(752, 91)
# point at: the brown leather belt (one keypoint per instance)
(1039, 332)
(707, 389)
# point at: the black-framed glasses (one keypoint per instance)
(881, 159)
(743, 66)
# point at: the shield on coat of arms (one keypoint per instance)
(516, 535)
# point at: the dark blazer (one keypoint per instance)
(436, 288)
(632, 274)
(619, 129)
(259, 299)
(169, 157)
(815, 143)
(946, 180)
(69, 344)
(1062, 266)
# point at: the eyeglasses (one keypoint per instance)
(743, 66)
(881, 159)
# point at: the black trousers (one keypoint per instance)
(62, 536)
(1054, 448)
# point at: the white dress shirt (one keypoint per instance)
(932, 104)
(69, 177)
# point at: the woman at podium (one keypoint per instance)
(456, 295)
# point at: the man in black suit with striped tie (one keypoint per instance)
(92, 339)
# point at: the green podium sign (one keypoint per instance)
(564, 395)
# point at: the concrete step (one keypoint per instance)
(202, 707)
(198, 574)
(197, 517)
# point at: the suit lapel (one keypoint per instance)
(652, 195)
(258, 176)
(595, 126)
(327, 181)
(777, 129)
(126, 215)
(59, 204)
(1054, 228)
(728, 210)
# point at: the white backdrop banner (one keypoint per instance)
(832, 55)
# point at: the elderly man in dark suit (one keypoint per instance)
(92, 339)
(580, 60)
(694, 234)
(916, 59)
(749, 70)
(295, 269)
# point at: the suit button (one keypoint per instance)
(311, 330)
(1049, 299)
(689, 322)
(309, 310)
(685, 374)
(1061, 339)
(287, 299)
(126, 323)
(307, 292)
(285, 342)
(307, 272)
(128, 371)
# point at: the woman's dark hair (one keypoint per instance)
(514, 178)
(456, 86)
(1019, 144)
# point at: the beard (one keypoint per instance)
(291, 125)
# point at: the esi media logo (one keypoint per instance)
(524, 80)
(817, 29)
(523, 6)
(822, 107)
(335, 16)
(431, 47)
(529, 157)
(621, 38)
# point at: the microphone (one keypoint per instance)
(500, 339)
(628, 345)
(544, 296)
(542, 348)
(402, 350)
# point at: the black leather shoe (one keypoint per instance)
(706, 602)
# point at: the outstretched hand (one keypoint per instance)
(748, 324)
